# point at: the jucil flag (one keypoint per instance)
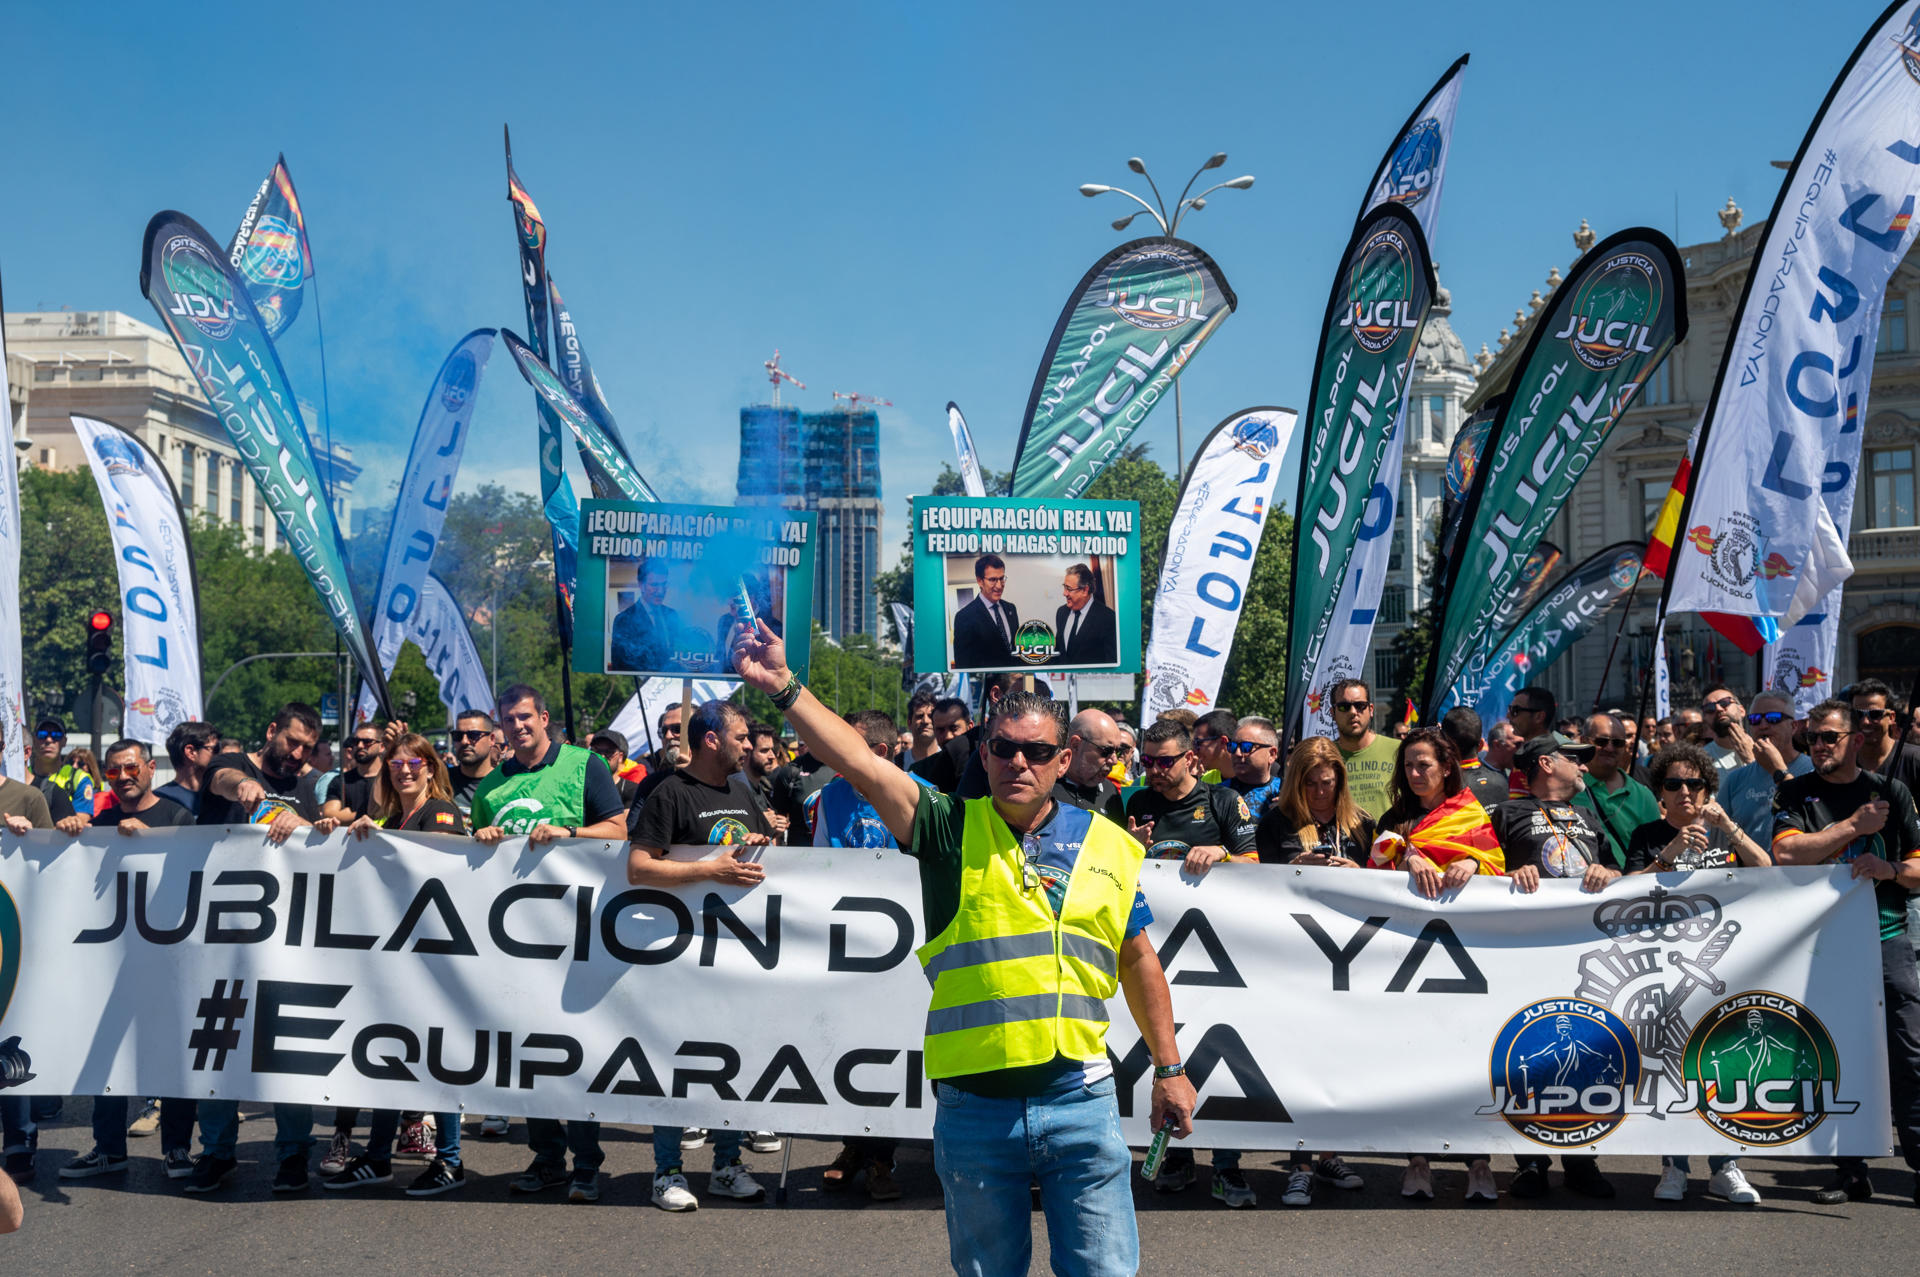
(1211, 544)
(212, 319)
(1569, 612)
(1368, 341)
(1410, 174)
(1605, 331)
(159, 603)
(425, 487)
(564, 408)
(1130, 328)
(270, 253)
(1764, 525)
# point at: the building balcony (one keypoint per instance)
(1885, 549)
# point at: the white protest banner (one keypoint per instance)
(1703, 1012)
(1766, 519)
(1211, 544)
(420, 512)
(159, 604)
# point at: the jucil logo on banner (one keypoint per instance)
(1380, 292)
(1156, 289)
(1758, 1067)
(1611, 317)
(201, 294)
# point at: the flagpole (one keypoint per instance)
(327, 481)
(1618, 630)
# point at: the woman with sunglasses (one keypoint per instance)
(411, 794)
(1315, 821)
(1438, 832)
(1694, 831)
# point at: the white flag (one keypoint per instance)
(1778, 459)
(159, 607)
(421, 510)
(13, 676)
(1800, 665)
(963, 447)
(1209, 560)
(439, 629)
(637, 719)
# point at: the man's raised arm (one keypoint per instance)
(761, 660)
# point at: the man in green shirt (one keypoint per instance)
(1369, 757)
(1622, 803)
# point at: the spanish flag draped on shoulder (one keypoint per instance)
(1457, 827)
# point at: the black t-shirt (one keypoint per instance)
(685, 809)
(1808, 804)
(164, 814)
(436, 816)
(1650, 841)
(1561, 840)
(463, 787)
(1278, 839)
(789, 788)
(1101, 797)
(1487, 784)
(354, 792)
(59, 801)
(1209, 816)
(1903, 765)
(215, 810)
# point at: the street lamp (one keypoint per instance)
(1170, 226)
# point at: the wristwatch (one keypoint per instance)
(1161, 1072)
(1782, 776)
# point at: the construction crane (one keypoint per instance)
(776, 374)
(855, 399)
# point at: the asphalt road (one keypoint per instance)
(139, 1222)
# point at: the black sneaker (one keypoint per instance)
(292, 1177)
(87, 1165)
(179, 1163)
(440, 1177)
(1529, 1181)
(361, 1172)
(538, 1177)
(210, 1173)
(1584, 1178)
(584, 1188)
(1848, 1188)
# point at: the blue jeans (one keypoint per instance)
(220, 1129)
(16, 1123)
(666, 1147)
(987, 1151)
(384, 1123)
(551, 1143)
(1715, 1164)
(110, 1124)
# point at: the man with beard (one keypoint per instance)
(1880, 747)
(762, 761)
(1726, 720)
(352, 796)
(1841, 814)
(703, 803)
(259, 788)
(1093, 743)
(476, 751)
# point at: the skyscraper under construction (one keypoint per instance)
(827, 462)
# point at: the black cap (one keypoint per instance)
(54, 723)
(1532, 751)
(616, 739)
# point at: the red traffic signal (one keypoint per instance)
(99, 641)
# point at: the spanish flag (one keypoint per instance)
(1742, 631)
(1457, 827)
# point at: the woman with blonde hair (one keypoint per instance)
(1315, 821)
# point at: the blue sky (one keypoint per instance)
(886, 192)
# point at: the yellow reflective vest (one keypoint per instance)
(1013, 986)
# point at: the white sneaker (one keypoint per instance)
(733, 1181)
(670, 1192)
(693, 1137)
(1729, 1182)
(763, 1142)
(1672, 1186)
(493, 1127)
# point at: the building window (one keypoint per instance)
(186, 475)
(1386, 672)
(41, 372)
(85, 372)
(1393, 605)
(233, 506)
(1893, 327)
(213, 485)
(1659, 387)
(1653, 494)
(1436, 419)
(1892, 471)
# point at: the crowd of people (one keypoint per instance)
(1738, 783)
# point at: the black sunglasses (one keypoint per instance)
(467, 734)
(1719, 705)
(1828, 738)
(1246, 746)
(1108, 751)
(1355, 707)
(1036, 751)
(1161, 761)
(1608, 742)
(1674, 784)
(1873, 715)
(1770, 717)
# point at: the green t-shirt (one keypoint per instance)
(1620, 812)
(1370, 774)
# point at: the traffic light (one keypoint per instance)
(99, 642)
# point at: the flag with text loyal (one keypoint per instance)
(1211, 543)
(1411, 175)
(159, 602)
(1765, 524)
(1130, 328)
(1620, 311)
(420, 511)
(1368, 343)
(213, 320)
